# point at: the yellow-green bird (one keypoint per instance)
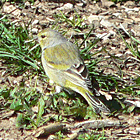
(62, 63)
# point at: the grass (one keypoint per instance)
(14, 49)
(23, 59)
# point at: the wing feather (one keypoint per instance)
(65, 57)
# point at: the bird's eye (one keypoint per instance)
(43, 36)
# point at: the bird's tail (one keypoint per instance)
(95, 103)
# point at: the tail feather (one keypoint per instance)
(96, 104)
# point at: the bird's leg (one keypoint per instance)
(54, 89)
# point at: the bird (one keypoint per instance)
(64, 66)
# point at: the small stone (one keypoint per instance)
(106, 23)
(139, 48)
(125, 25)
(106, 3)
(119, 55)
(35, 22)
(34, 30)
(80, 4)
(116, 14)
(136, 9)
(138, 129)
(66, 6)
(119, 131)
(133, 132)
(126, 131)
(27, 3)
(7, 8)
(121, 117)
(91, 18)
(35, 109)
(129, 3)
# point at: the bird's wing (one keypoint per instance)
(78, 74)
(61, 56)
(66, 57)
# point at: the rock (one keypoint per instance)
(125, 25)
(106, 23)
(136, 30)
(133, 132)
(138, 129)
(108, 4)
(116, 14)
(35, 22)
(11, 9)
(34, 30)
(27, 5)
(66, 6)
(129, 3)
(91, 18)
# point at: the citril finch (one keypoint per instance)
(63, 65)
